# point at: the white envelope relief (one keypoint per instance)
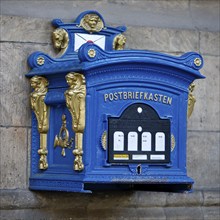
(81, 39)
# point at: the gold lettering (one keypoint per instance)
(169, 100)
(145, 96)
(129, 95)
(120, 94)
(115, 96)
(133, 95)
(141, 94)
(160, 99)
(138, 96)
(151, 97)
(105, 96)
(111, 96)
(156, 97)
(165, 99)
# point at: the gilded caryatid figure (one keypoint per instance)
(75, 101)
(41, 110)
(119, 42)
(60, 40)
(191, 100)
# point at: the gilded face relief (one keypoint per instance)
(119, 42)
(92, 23)
(60, 39)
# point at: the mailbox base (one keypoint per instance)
(94, 183)
(57, 185)
(141, 187)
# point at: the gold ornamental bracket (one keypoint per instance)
(191, 100)
(119, 42)
(62, 140)
(104, 140)
(60, 39)
(75, 102)
(41, 110)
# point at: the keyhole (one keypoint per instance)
(139, 169)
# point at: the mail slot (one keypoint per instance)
(138, 136)
(105, 117)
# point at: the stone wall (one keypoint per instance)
(20, 36)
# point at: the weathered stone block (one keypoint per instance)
(206, 114)
(26, 199)
(112, 214)
(44, 214)
(13, 158)
(20, 29)
(164, 40)
(153, 213)
(210, 43)
(63, 200)
(183, 213)
(147, 38)
(212, 197)
(211, 213)
(20, 199)
(113, 199)
(151, 199)
(15, 89)
(185, 199)
(203, 159)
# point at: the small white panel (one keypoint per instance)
(118, 141)
(146, 141)
(139, 128)
(81, 39)
(132, 141)
(139, 157)
(160, 141)
(157, 157)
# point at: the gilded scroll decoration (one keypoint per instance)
(104, 140)
(173, 142)
(75, 102)
(92, 23)
(119, 42)
(191, 100)
(92, 53)
(41, 110)
(198, 62)
(40, 61)
(60, 39)
(62, 139)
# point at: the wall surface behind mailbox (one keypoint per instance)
(20, 36)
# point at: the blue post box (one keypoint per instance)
(108, 117)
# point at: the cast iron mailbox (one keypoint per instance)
(103, 116)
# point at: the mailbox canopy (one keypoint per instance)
(187, 66)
